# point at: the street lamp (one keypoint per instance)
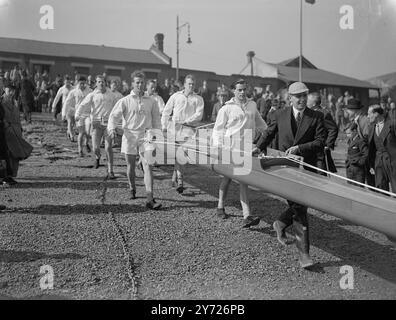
(178, 29)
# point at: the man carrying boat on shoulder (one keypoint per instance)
(301, 132)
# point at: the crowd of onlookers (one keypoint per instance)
(36, 93)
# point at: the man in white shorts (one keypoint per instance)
(62, 93)
(151, 91)
(75, 97)
(234, 128)
(183, 110)
(99, 104)
(139, 115)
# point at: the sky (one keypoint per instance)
(222, 31)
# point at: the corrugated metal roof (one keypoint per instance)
(68, 50)
(309, 75)
(321, 77)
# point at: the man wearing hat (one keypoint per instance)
(358, 116)
(222, 97)
(301, 132)
(325, 160)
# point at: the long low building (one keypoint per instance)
(63, 58)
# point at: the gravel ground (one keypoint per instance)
(101, 245)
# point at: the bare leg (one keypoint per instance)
(223, 190)
(148, 179)
(179, 175)
(243, 191)
(131, 163)
(80, 139)
(109, 153)
(70, 125)
(96, 138)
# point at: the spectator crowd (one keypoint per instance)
(39, 93)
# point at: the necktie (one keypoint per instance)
(378, 129)
(298, 118)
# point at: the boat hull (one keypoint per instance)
(352, 203)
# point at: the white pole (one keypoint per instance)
(301, 43)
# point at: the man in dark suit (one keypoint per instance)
(206, 95)
(382, 148)
(356, 114)
(301, 132)
(325, 160)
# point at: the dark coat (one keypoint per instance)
(310, 136)
(3, 143)
(331, 137)
(388, 136)
(357, 153)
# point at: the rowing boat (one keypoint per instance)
(288, 178)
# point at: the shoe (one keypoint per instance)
(305, 261)
(9, 181)
(220, 213)
(96, 165)
(2, 207)
(88, 148)
(302, 244)
(180, 188)
(111, 176)
(133, 194)
(153, 205)
(250, 221)
(279, 228)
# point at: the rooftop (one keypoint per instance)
(69, 50)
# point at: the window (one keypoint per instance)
(8, 65)
(113, 74)
(41, 68)
(82, 71)
(151, 75)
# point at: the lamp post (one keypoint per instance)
(178, 29)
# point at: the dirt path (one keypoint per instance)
(101, 245)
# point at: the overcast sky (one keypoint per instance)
(222, 31)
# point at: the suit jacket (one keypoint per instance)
(264, 107)
(331, 129)
(388, 136)
(310, 135)
(357, 153)
(363, 125)
(330, 126)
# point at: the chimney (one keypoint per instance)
(159, 41)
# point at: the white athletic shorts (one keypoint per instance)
(84, 124)
(134, 143)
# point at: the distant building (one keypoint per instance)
(282, 74)
(387, 83)
(64, 58)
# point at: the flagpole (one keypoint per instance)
(301, 42)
